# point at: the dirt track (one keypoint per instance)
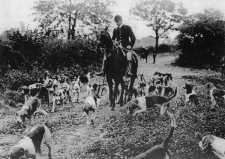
(114, 134)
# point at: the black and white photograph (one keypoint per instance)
(112, 79)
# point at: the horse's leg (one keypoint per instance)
(118, 95)
(121, 100)
(115, 93)
(110, 84)
(132, 80)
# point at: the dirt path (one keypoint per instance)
(72, 138)
(163, 64)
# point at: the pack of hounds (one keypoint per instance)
(157, 91)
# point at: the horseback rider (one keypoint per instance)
(123, 35)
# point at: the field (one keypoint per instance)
(118, 136)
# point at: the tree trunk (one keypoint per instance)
(156, 42)
(74, 25)
(69, 29)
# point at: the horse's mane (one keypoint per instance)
(106, 39)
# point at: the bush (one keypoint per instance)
(165, 48)
(13, 79)
(13, 97)
(201, 42)
(32, 49)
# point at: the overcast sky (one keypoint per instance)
(13, 12)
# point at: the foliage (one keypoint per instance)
(38, 50)
(29, 45)
(202, 40)
(163, 48)
(160, 15)
(25, 57)
(15, 78)
(12, 98)
(64, 15)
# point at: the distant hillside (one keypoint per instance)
(150, 41)
(145, 42)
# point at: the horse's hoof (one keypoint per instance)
(112, 109)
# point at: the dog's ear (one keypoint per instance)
(17, 152)
(206, 143)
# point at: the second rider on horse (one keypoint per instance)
(125, 37)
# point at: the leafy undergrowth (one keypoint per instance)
(126, 137)
(119, 136)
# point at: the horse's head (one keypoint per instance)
(104, 39)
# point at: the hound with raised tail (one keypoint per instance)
(30, 145)
(142, 104)
(160, 151)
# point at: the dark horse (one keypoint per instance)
(116, 69)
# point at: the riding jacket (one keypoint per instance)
(124, 34)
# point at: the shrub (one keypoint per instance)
(13, 97)
(201, 42)
(13, 79)
(164, 48)
(36, 50)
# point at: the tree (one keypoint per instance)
(63, 15)
(160, 15)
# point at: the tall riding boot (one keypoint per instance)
(129, 73)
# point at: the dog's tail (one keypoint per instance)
(174, 94)
(173, 126)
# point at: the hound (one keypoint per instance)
(30, 145)
(30, 107)
(91, 103)
(163, 78)
(142, 104)
(141, 85)
(31, 90)
(76, 89)
(190, 95)
(214, 144)
(215, 93)
(59, 97)
(160, 90)
(160, 151)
